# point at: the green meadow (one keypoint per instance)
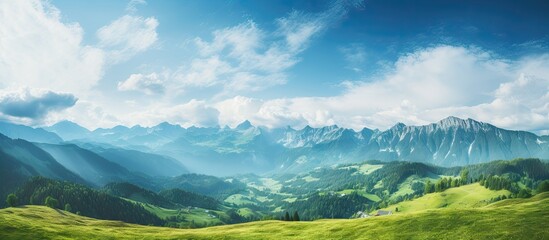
(507, 219)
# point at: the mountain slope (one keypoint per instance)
(509, 219)
(136, 161)
(20, 160)
(87, 164)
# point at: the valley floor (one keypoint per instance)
(507, 219)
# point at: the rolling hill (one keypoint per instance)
(142, 162)
(509, 219)
(468, 196)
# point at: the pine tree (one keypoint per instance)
(68, 207)
(438, 186)
(464, 176)
(428, 187)
(543, 186)
(287, 217)
(296, 216)
(51, 202)
(11, 200)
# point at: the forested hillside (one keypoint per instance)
(83, 201)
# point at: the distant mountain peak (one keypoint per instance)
(120, 127)
(468, 123)
(65, 123)
(452, 120)
(331, 127)
(244, 125)
(399, 126)
(166, 126)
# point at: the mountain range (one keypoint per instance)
(167, 149)
(247, 148)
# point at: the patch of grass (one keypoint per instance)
(246, 212)
(239, 199)
(309, 178)
(468, 196)
(362, 192)
(198, 215)
(406, 186)
(290, 200)
(368, 168)
(508, 219)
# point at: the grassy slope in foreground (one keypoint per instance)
(508, 219)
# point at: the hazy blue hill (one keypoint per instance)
(136, 137)
(20, 160)
(244, 125)
(87, 164)
(136, 161)
(69, 130)
(224, 152)
(30, 134)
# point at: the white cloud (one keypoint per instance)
(246, 58)
(38, 50)
(422, 87)
(235, 110)
(298, 28)
(127, 36)
(238, 60)
(150, 84)
(204, 72)
(89, 114)
(192, 113)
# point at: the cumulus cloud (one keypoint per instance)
(421, 87)
(33, 105)
(38, 50)
(127, 36)
(150, 84)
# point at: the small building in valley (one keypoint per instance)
(361, 214)
(383, 213)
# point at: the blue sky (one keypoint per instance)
(276, 63)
